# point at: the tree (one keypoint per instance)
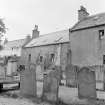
(2, 31)
(2, 28)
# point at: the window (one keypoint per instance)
(29, 58)
(69, 56)
(101, 34)
(103, 59)
(41, 58)
(52, 57)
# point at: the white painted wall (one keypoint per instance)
(9, 52)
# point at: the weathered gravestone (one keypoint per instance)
(71, 75)
(39, 73)
(28, 81)
(39, 80)
(86, 83)
(51, 85)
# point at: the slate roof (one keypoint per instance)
(90, 21)
(51, 38)
(14, 43)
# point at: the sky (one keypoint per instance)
(20, 16)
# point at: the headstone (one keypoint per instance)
(86, 83)
(39, 80)
(39, 73)
(28, 81)
(71, 75)
(2, 71)
(51, 85)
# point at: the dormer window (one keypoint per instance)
(101, 34)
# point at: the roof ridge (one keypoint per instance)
(50, 38)
(96, 15)
(16, 40)
(89, 18)
(42, 35)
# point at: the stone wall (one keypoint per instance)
(42, 51)
(86, 47)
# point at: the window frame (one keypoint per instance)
(101, 34)
(41, 58)
(52, 57)
(103, 59)
(29, 57)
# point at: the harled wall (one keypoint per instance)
(86, 47)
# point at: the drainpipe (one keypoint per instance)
(70, 47)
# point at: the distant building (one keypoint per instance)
(11, 48)
(10, 55)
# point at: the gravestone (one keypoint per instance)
(28, 81)
(39, 80)
(39, 73)
(86, 83)
(71, 75)
(51, 85)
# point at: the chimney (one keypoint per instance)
(27, 39)
(82, 13)
(35, 32)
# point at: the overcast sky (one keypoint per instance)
(20, 16)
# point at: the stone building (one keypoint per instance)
(88, 42)
(88, 39)
(53, 46)
(11, 48)
(11, 54)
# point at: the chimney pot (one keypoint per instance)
(35, 32)
(82, 13)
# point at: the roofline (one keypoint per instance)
(15, 40)
(47, 44)
(54, 32)
(87, 27)
(47, 34)
(85, 19)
